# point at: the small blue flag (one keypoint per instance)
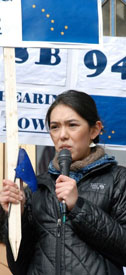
(24, 170)
(112, 112)
(60, 21)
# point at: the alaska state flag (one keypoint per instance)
(65, 21)
(112, 112)
(24, 170)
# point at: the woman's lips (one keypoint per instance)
(65, 147)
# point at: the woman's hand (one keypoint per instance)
(66, 189)
(11, 194)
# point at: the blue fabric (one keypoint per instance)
(60, 21)
(78, 175)
(112, 112)
(24, 170)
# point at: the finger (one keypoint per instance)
(9, 195)
(63, 188)
(62, 178)
(61, 197)
(59, 190)
(7, 185)
(66, 185)
(13, 188)
(61, 185)
(7, 200)
(8, 182)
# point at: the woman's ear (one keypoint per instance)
(96, 129)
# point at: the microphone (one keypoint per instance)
(64, 160)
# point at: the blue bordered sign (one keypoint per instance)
(41, 22)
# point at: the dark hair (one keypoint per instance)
(81, 103)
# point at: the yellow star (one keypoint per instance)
(113, 132)
(66, 27)
(109, 137)
(33, 6)
(52, 29)
(43, 10)
(62, 33)
(52, 21)
(48, 15)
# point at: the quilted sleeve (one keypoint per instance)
(106, 233)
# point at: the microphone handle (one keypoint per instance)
(65, 160)
(64, 171)
(64, 211)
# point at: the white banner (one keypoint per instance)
(33, 104)
(41, 74)
(39, 66)
(104, 69)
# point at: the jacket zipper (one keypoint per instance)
(59, 228)
(58, 241)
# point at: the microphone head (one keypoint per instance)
(64, 154)
(64, 160)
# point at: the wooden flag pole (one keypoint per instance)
(14, 220)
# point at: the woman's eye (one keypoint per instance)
(73, 125)
(53, 127)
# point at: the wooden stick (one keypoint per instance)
(12, 145)
(1, 165)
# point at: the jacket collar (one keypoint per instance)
(96, 153)
(78, 169)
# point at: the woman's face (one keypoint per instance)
(70, 131)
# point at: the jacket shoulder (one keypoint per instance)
(118, 171)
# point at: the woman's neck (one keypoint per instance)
(95, 154)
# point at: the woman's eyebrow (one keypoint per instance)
(51, 122)
(67, 120)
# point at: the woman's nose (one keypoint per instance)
(63, 133)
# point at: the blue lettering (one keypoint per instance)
(38, 122)
(27, 98)
(38, 98)
(23, 123)
(1, 95)
(48, 97)
(21, 54)
(46, 57)
(33, 98)
(19, 97)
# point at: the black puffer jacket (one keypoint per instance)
(93, 239)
